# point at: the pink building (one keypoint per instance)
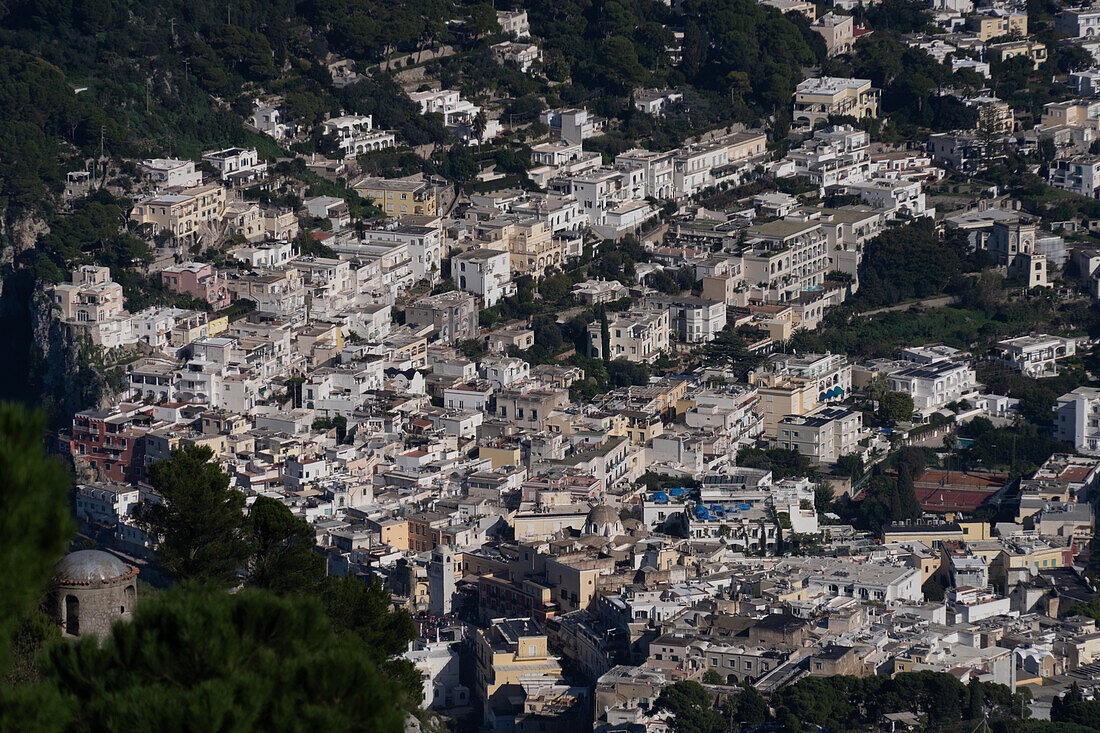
(198, 279)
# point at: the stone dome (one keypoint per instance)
(91, 566)
(604, 521)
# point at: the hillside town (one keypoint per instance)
(731, 410)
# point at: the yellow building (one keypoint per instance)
(397, 196)
(924, 559)
(642, 427)
(995, 119)
(575, 580)
(505, 454)
(816, 100)
(1035, 51)
(745, 145)
(533, 248)
(782, 395)
(1022, 557)
(1074, 113)
(975, 530)
(987, 27)
(528, 240)
(191, 213)
(507, 652)
(91, 297)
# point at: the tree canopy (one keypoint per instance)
(35, 522)
(283, 555)
(206, 660)
(199, 523)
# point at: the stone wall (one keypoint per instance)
(96, 607)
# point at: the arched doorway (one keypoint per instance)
(72, 615)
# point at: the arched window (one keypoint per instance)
(131, 598)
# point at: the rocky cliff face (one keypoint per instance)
(63, 374)
(23, 230)
(44, 365)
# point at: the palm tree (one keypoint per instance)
(480, 122)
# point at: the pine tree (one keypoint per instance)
(908, 506)
(199, 526)
(35, 521)
(976, 698)
(200, 659)
(283, 547)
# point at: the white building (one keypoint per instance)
(458, 113)
(333, 208)
(574, 125)
(1077, 419)
(1078, 22)
(892, 196)
(654, 101)
(439, 665)
(269, 120)
(355, 134)
(485, 272)
(694, 320)
(965, 62)
(154, 325)
(472, 396)
(659, 174)
(105, 503)
(425, 247)
(265, 255)
(1036, 356)
(1079, 174)
(835, 155)
(785, 258)
(1086, 83)
(634, 335)
(521, 55)
(822, 436)
(555, 153)
(504, 371)
(601, 191)
(694, 167)
(171, 173)
(934, 386)
(594, 292)
(867, 581)
(514, 23)
(237, 165)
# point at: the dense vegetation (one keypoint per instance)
(842, 703)
(1018, 449)
(34, 518)
(294, 651)
(909, 262)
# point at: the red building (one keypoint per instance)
(111, 443)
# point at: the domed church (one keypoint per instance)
(604, 521)
(91, 590)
